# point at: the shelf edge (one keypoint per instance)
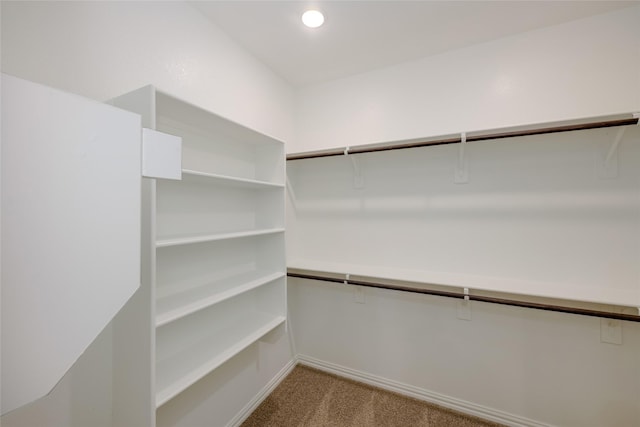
(234, 179)
(167, 242)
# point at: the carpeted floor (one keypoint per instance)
(311, 398)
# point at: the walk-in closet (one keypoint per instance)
(379, 213)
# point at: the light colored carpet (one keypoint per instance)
(311, 398)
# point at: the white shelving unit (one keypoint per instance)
(217, 262)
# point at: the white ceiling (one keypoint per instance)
(360, 36)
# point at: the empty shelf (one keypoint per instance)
(182, 369)
(207, 178)
(179, 303)
(209, 237)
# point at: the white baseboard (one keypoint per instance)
(262, 394)
(463, 406)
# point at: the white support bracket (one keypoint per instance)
(291, 192)
(464, 306)
(607, 164)
(461, 171)
(611, 331)
(358, 176)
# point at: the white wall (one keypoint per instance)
(82, 398)
(104, 49)
(518, 364)
(586, 68)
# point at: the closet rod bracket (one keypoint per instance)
(464, 306)
(461, 171)
(290, 191)
(607, 164)
(358, 177)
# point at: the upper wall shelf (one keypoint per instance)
(547, 216)
(476, 136)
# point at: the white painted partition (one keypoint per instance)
(71, 230)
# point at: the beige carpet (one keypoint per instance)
(311, 398)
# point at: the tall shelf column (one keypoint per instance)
(216, 264)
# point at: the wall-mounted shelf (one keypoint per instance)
(537, 217)
(507, 285)
(459, 292)
(478, 136)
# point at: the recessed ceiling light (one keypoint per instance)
(312, 18)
